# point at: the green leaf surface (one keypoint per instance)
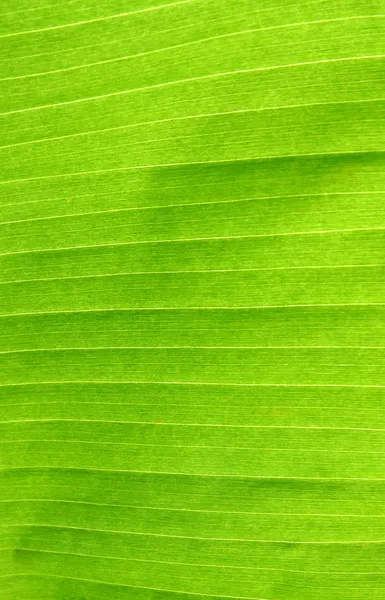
(192, 300)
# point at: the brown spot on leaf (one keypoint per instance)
(278, 412)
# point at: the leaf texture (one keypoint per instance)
(192, 300)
